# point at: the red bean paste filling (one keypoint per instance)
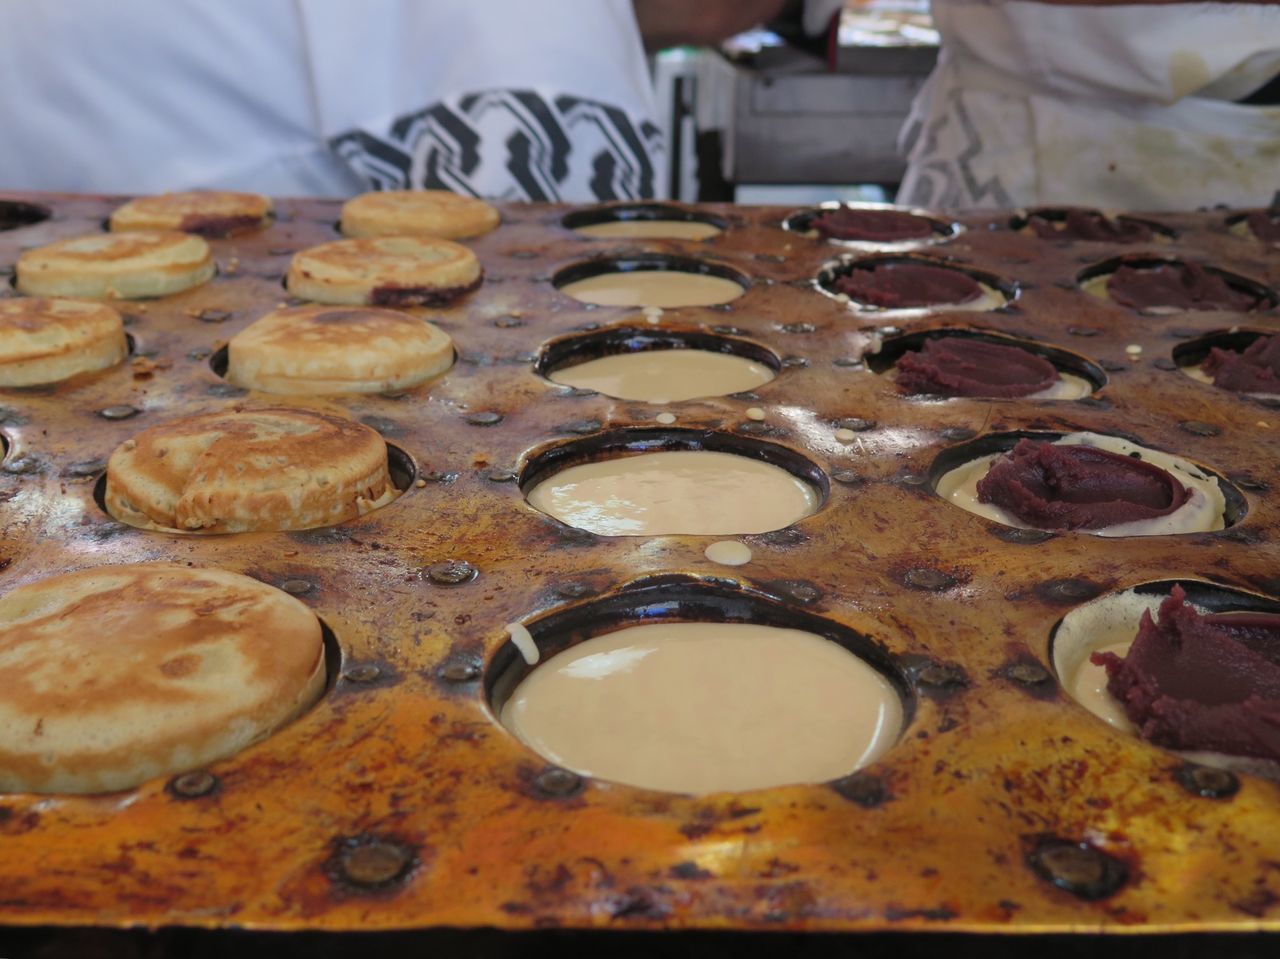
(1254, 370)
(902, 285)
(1184, 286)
(1078, 487)
(960, 366)
(1088, 225)
(878, 225)
(1265, 225)
(1193, 681)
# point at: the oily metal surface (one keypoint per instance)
(399, 802)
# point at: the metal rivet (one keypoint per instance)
(1182, 332)
(452, 572)
(1113, 366)
(754, 428)
(297, 587)
(933, 580)
(942, 675)
(121, 412)
(771, 258)
(798, 328)
(85, 469)
(460, 671)
(1021, 537)
(374, 862)
(862, 789)
(22, 466)
(213, 316)
(193, 785)
(225, 389)
(804, 593)
(846, 477)
(1206, 781)
(1067, 590)
(363, 673)
(957, 433)
(201, 353)
(1166, 364)
(1085, 331)
(438, 476)
(1077, 868)
(573, 590)
(501, 476)
(847, 362)
(1029, 674)
(912, 479)
(507, 322)
(794, 362)
(484, 418)
(1270, 402)
(558, 783)
(582, 427)
(856, 423)
(1199, 428)
(724, 330)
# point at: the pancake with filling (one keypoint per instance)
(328, 349)
(437, 213)
(209, 213)
(44, 341)
(384, 271)
(252, 469)
(124, 266)
(119, 674)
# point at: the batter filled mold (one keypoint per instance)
(1162, 285)
(909, 286)
(651, 280)
(871, 226)
(644, 221)
(1079, 224)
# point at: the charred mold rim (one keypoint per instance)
(644, 262)
(1236, 506)
(15, 214)
(219, 360)
(1066, 361)
(1265, 296)
(833, 270)
(1057, 214)
(679, 598)
(1193, 352)
(943, 230)
(400, 465)
(1214, 597)
(546, 461)
(640, 212)
(567, 351)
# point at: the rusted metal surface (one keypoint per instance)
(398, 801)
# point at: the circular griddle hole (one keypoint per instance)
(997, 291)
(614, 445)
(568, 351)
(892, 348)
(648, 262)
(1235, 506)
(941, 230)
(15, 214)
(400, 466)
(1189, 355)
(681, 598)
(1021, 221)
(1114, 618)
(1093, 280)
(642, 213)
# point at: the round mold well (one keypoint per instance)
(1234, 509)
(1189, 355)
(618, 444)
(1021, 220)
(573, 350)
(15, 214)
(683, 598)
(1111, 621)
(400, 466)
(996, 291)
(893, 347)
(1093, 281)
(942, 230)
(650, 263)
(645, 221)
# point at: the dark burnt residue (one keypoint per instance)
(220, 227)
(398, 296)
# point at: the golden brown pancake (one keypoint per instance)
(116, 265)
(209, 213)
(44, 341)
(118, 674)
(336, 349)
(437, 213)
(384, 271)
(251, 469)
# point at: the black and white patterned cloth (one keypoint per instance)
(511, 145)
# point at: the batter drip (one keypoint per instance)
(893, 286)
(1078, 487)
(1183, 286)
(1204, 682)
(960, 366)
(1256, 369)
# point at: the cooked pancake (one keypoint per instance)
(384, 271)
(210, 213)
(118, 674)
(122, 266)
(44, 341)
(252, 469)
(327, 349)
(438, 213)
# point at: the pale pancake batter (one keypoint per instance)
(650, 230)
(693, 492)
(665, 376)
(661, 288)
(703, 707)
